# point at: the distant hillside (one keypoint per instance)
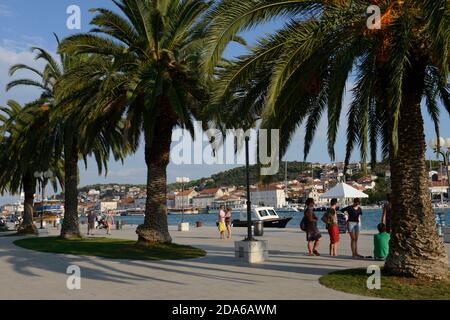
(97, 186)
(237, 176)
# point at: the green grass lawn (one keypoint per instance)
(354, 281)
(110, 248)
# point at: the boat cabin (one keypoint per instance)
(260, 214)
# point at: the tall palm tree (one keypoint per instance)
(300, 72)
(65, 138)
(154, 82)
(23, 133)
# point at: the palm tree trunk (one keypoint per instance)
(70, 228)
(415, 247)
(27, 226)
(157, 155)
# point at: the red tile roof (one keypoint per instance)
(209, 191)
(184, 193)
(128, 200)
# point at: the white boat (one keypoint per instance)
(174, 211)
(268, 215)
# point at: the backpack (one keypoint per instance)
(327, 218)
(303, 224)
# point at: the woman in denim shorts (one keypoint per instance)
(354, 213)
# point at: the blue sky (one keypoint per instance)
(25, 23)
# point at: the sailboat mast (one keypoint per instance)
(285, 180)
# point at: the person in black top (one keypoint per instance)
(228, 221)
(354, 214)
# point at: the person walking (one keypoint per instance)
(109, 222)
(331, 221)
(386, 217)
(221, 222)
(354, 213)
(228, 221)
(58, 222)
(313, 235)
(91, 217)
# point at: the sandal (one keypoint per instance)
(316, 253)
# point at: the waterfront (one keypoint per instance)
(370, 218)
(289, 272)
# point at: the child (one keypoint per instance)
(381, 243)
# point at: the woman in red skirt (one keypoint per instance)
(333, 227)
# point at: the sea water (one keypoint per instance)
(369, 220)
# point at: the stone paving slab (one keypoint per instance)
(288, 274)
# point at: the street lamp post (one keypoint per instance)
(249, 203)
(43, 177)
(182, 180)
(436, 144)
(250, 250)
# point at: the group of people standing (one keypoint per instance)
(98, 221)
(353, 215)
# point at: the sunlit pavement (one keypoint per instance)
(289, 273)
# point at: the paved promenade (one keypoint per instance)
(289, 274)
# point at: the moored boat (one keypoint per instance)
(183, 211)
(267, 215)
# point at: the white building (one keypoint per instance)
(271, 196)
(140, 202)
(93, 193)
(315, 194)
(206, 197)
(184, 199)
(108, 205)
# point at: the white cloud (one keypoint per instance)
(22, 44)
(8, 57)
(5, 11)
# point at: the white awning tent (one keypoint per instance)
(343, 191)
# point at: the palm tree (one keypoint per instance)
(24, 151)
(66, 139)
(301, 71)
(154, 83)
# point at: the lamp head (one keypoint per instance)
(48, 174)
(437, 142)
